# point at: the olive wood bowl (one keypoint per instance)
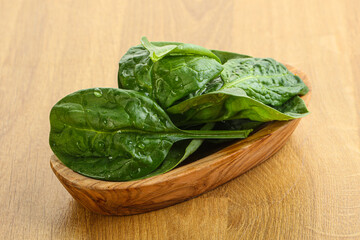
(182, 183)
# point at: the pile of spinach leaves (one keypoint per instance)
(171, 97)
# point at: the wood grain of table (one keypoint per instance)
(309, 190)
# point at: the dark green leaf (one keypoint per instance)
(167, 71)
(252, 88)
(230, 104)
(263, 79)
(135, 70)
(116, 134)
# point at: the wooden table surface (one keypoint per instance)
(309, 190)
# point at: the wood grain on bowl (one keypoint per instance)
(188, 181)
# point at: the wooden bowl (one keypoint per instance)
(180, 184)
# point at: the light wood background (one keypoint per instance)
(309, 190)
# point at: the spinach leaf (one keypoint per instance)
(263, 79)
(135, 70)
(252, 88)
(167, 71)
(116, 134)
(233, 104)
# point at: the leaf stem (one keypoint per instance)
(214, 134)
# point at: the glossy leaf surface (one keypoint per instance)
(167, 72)
(263, 79)
(116, 134)
(252, 88)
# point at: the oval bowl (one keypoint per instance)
(182, 183)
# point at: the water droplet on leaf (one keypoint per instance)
(98, 92)
(141, 145)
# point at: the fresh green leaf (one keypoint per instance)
(135, 70)
(256, 89)
(116, 134)
(231, 104)
(167, 72)
(263, 79)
